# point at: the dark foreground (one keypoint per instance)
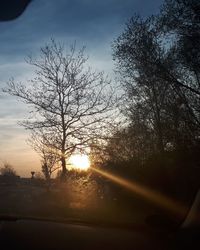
(84, 214)
(81, 199)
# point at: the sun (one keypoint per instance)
(79, 162)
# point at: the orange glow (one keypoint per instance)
(151, 195)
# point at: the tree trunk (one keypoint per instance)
(64, 169)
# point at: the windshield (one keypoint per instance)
(99, 117)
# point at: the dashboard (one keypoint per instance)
(36, 234)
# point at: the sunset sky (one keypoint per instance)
(90, 22)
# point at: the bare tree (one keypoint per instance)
(7, 170)
(48, 165)
(69, 102)
(49, 157)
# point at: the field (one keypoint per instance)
(81, 200)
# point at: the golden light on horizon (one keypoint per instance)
(79, 162)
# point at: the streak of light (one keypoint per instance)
(147, 193)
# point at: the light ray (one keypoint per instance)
(149, 194)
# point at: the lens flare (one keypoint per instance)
(149, 194)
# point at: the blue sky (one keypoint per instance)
(92, 23)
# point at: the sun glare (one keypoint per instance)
(79, 162)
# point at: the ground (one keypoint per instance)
(82, 199)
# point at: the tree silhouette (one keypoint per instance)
(157, 64)
(70, 103)
(7, 170)
(49, 157)
(159, 73)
